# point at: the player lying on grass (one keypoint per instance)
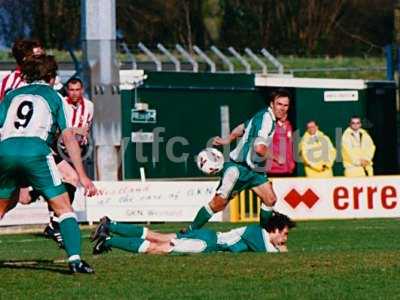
(139, 239)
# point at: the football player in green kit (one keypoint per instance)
(29, 119)
(246, 167)
(139, 239)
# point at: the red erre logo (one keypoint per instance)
(309, 198)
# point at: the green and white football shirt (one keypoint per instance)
(258, 130)
(31, 115)
(252, 238)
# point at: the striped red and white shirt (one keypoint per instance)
(11, 82)
(80, 114)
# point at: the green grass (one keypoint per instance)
(354, 259)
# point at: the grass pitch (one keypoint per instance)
(353, 259)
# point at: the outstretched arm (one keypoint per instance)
(237, 132)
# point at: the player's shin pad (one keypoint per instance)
(203, 216)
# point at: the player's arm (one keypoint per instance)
(74, 151)
(236, 133)
(262, 150)
(264, 139)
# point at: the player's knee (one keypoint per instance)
(218, 204)
(61, 211)
(24, 196)
(61, 205)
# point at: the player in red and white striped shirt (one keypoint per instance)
(20, 50)
(79, 111)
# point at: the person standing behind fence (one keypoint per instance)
(282, 162)
(358, 150)
(317, 152)
(79, 111)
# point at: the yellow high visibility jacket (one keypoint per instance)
(318, 154)
(353, 150)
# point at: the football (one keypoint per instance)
(210, 161)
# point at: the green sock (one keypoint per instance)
(265, 214)
(134, 245)
(128, 230)
(71, 235)
(203, 215)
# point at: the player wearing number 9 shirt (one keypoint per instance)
(29, 118)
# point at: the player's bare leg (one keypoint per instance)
(157, 237)
(24, 196)
(7, 204)
(159, 248)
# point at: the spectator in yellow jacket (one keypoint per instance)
(317, 152)
(358, 150)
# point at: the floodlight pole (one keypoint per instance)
(101, 77)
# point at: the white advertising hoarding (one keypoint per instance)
(37, 212)
(176, 201)
(339, 198)
(173, 201)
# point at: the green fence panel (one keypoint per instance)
(188, 109)
(188, 116)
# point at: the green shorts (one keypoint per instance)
(237, 177)
(196, 241)
(40, 172)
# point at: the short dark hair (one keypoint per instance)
(43, 67)
(35, 43)
(74, 80)
(312, 121)
(279, 221)
(21, 49)
(354, 117)
(281, 92)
